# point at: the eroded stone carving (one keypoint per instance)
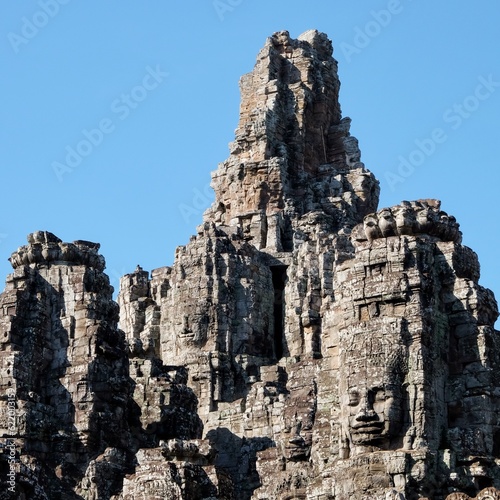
(44, 247)
(373, 397)
(301, 345)
(411, 218)
(83, 401)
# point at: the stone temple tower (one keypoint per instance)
(303, 344)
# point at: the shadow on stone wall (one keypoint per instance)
(236, 458)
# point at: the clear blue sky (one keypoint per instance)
(416, 75)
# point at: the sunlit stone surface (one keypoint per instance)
(302, 345)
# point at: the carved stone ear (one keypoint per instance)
(397, 365)
(344, 443)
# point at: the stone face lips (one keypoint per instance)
(302, 344)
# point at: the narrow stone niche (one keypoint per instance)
(279, 281)
(286, 238)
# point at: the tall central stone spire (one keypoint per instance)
(293, 153)
(302, 344)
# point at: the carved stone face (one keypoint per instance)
(373, 413)
(386, 223)
(405, 220)
(371, 228)
(424, 219)
(372, 394)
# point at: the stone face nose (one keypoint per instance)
(366, 412)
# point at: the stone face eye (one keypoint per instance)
(353, 398)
